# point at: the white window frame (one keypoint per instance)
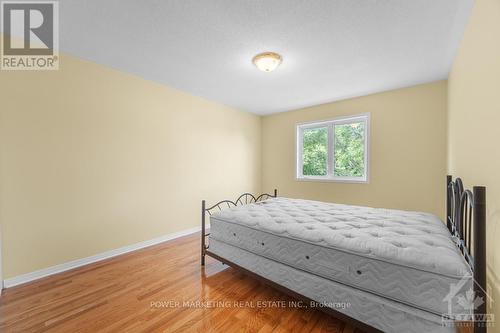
(330, 177)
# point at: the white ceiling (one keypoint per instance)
(332, 49)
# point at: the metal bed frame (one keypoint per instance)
(244, 199)
(465, 219)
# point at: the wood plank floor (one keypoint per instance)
(137, 292)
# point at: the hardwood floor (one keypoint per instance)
(144, 291)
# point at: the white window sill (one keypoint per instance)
(333, 180)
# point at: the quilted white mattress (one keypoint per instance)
(383, 314)
(407, 257)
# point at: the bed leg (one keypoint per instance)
(275, 193)
(203, 232)
(479, 212)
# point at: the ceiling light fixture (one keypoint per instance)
(267, 61)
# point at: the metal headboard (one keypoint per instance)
(244, 199)
(466, 220)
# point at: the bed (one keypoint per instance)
(381, 269)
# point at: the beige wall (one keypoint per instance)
(92, 159)
(474, 120)
(408, 150)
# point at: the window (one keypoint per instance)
(334, 150)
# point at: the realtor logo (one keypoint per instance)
(30, 35)
(463, 303)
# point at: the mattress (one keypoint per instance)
(381, 313)
(405, 257)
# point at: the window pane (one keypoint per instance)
(349, 150)
(314, 153)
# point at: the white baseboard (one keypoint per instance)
(20, 279)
